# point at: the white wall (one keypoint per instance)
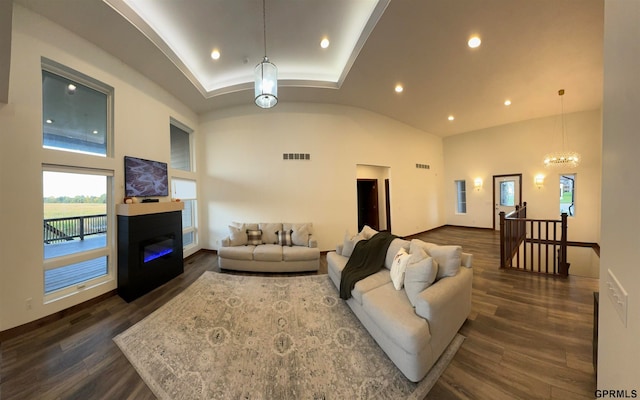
(619, 345)
(520, 148)
(244, 177)
(141, 122)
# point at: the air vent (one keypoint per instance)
(296, 156)
(423, 166)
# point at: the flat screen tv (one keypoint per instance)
(145, 178)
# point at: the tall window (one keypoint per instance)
(185, 190)
(183, 182)
(77, 206)
(568, 194)
(461, 197)
(180, 148)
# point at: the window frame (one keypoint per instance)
(108, 250)
(65, 72)
(461, 192)
(177, 124)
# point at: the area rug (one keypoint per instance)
(246, 337)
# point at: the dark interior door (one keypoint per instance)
(368, 213)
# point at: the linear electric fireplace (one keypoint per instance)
(161, 246)
(149, 251)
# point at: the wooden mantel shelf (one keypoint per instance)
(134, 209)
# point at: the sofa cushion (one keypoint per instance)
(284, 238)
(371, 282)
(269, 230)
(448, 258)
(268, 252)
(367, 232)
(237, 235)
(349, 243)
(392, 313)
(418, 276)
(395, 245)
(254, 236)
(300, 253)
(300, 233)
(400, 262)
(237, 252)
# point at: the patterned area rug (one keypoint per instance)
(246, 337)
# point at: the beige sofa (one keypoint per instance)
(269, 247)
(413, 325)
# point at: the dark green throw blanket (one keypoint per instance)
(367, 258)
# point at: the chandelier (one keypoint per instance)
(564, 158)
(266, 75)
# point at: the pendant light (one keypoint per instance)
(564, 158)
(266, 74)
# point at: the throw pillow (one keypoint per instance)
(349, 244)
(269, 230)
(300, 234)
(448, 258)
(367, 232)
(284, 238)
(418, 276)
(254, 237)
(398, 268)
(237, 235)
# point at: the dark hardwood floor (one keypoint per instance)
(528, 337)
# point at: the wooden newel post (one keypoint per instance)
(502, 244)
(562, 263)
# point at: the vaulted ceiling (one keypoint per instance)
(529, 50)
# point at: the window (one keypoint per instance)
(568, 194)
(76, 112)
(461, 197)
(508, 193)
(180, 148)
(185, 190)
(77, 206)
(75, 228)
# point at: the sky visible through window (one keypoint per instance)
(67, 184)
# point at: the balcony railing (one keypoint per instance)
(65, 229)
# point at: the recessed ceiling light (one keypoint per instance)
(474, 42)
(71, 88)
(451, 118)
(215, 54)
(324, 43)
(49, 121)
(95, 132)
(507, 102)
(399, 88)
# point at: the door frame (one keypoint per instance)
(493, 203)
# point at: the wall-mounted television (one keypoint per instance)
(145, 178)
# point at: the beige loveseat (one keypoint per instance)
(269, 247)
(413, 325)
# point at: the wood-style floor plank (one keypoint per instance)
(528, 337)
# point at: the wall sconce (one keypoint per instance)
(539, 181)
(477, 184)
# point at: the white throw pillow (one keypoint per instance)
(367, 232)
(300, 234)
(349, 243)
(448, 258)
(418, 276)
(398, 267)
(237, 235)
